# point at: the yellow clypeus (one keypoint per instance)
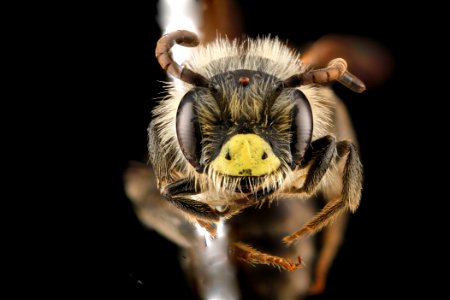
(246, 155)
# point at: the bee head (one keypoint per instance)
(244, 124)
(241, 119)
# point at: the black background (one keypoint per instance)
(124, 257)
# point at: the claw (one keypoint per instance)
(294, 266)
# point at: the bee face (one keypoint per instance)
(243, 125)
(241, 116)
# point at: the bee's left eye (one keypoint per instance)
(302, 126)
(188, 130)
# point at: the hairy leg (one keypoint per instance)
(349, 198)
(252, 256)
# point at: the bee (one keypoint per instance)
(243, 125)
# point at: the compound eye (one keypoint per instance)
(302, 126)
(188, 130)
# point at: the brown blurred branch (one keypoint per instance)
(221, 17)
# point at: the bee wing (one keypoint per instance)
(369, 60)
(152, 209)
(157, 213)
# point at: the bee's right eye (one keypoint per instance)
(188, 130)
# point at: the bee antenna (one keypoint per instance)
(336, 70)
(165, 59)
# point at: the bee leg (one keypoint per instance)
(321, 152)
(197, 209)
(349, 198)
(353, 175)
(257, 198)
(252, 256)
(331, 241)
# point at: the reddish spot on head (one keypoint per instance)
(244, 80)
